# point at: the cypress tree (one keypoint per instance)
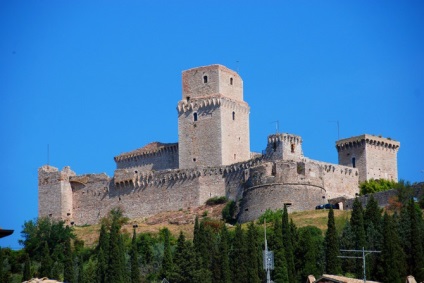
(46, 262)
(280, 273)
(417, 251)
(252, 254)
(135, 271)
(80, 277)
(288, 246)
(68, 266)
(332, 246)
(225, 260)
(238, 256)
(346, 242)
(184, 261)
(102, 255)
(27, 268)
(167, 264)
(310, 247)
(358, 233)
(392, 257)
(115, 268)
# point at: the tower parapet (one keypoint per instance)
(374, 156)
(284, 146)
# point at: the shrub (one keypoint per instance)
(216, 200)
(270, 216)
(228, 212)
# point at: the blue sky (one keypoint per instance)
(93, 79)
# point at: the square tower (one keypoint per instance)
(375, 157)
(213, 119)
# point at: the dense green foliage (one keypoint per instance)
(221, 254)
(376, 185)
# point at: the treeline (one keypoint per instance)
(217, 254)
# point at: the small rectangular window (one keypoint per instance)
(195, 116)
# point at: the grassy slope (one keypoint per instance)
(183, 220)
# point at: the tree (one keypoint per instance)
(224, 256)
(288, 245)
(417, 234)
(373, 234)
(280, 273)
(358, 233)
(68, 273)
(135, 271)
(331, 246)
(115, 265)
(27, 268)
(167, 264)
(184, 261)
(392, 256)
(102, 255)
(46, 262)
(310, 250)
(238, 256)
(252, 254)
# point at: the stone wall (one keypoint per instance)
(158, 157)
(258, 199)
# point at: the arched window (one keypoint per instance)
(195, 116)
(234, 115)
(231, 81)
(205, 79)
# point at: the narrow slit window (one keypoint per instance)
(234, 115)
(195, 116)
(205, 79)
(274, 146)
(354, 162)
(292, 147)
(231, 81)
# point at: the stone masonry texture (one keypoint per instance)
(212, 158)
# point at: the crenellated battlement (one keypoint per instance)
(214, 100)
(359, 141)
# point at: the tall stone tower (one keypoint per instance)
(375, 157)
(55, 193)
(213, 119)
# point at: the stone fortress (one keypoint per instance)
(211, 159)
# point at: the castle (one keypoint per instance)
(212, 158)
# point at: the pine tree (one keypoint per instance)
(358, 233)
(167, 264)
(68, 266)
(135, 271)
(27, 268)
(46, 262)
(280, 273)
(331, 246)
(392, 256)
(252, 254)
(238, 257)
(288, 246)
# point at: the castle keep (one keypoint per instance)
(213, 158)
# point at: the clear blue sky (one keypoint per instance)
(92, 79)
